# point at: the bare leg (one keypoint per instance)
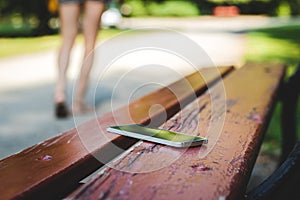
(91, 22)
(69, 13)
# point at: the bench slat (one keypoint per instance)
(54, 168)
(182, 173)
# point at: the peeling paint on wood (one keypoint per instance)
(22, 176)
(170, 173)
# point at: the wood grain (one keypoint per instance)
(53, 168)
(152, 171)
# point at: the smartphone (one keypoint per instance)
(160, 136)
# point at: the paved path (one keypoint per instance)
(27, 82)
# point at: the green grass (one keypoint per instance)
(18, 46)
(274, 44)
(8, 29)
(280, 45)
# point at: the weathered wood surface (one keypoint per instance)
(152, 171)
(53, 168)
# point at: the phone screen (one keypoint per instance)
(158, 135)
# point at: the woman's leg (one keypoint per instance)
(90, 26)
(69, 13)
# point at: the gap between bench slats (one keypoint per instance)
(181, 173)
(53, 168)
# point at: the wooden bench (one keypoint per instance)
(218, 170)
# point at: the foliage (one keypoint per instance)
(173, 8)
(294, 6)
(27, 10)
(36, 16)
(138, 8)
(187, 8)
(283, 10)
(230, 1)
(178, 8)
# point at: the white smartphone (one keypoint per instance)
(160, 136)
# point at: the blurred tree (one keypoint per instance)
(252, 6)
(294, 6)
(28, 8)
(269, 7)
(204, 6)
(228, 2)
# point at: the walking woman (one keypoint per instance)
(69, 12)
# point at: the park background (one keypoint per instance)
(32, 26)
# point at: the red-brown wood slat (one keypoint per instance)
(152, 171)
(54, 167)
